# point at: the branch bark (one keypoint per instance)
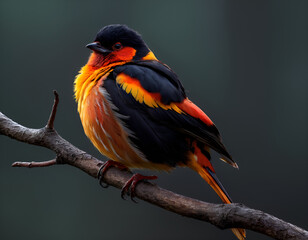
(221, 215)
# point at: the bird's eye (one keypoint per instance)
(117, 46)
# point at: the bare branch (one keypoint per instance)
(221, 215)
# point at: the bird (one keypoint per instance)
(135, 111)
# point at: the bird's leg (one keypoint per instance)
(108, 164)
(130, 185)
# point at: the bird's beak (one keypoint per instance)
(97, 47)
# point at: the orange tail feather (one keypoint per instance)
(203, 166)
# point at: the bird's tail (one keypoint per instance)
(201, 164)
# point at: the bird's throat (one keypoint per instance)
(97, 60)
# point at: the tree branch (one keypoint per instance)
(221, 215)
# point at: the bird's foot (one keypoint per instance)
(130, 185)
(108, 164)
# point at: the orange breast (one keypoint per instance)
(102, 126)
(105, 129)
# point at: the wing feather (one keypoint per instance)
(155, 91)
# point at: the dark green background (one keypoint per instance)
(243, 62)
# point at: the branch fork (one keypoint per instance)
(49, 127)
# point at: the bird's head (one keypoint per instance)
(118, 43)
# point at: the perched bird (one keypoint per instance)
(135, 111)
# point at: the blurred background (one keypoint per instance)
(245, 63)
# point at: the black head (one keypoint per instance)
(113, 37)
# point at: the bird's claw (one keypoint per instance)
(108, 164)
(130, 186)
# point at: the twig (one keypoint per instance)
(35, 164)
(53, 113)
(221, 215)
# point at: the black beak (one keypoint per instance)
(97, 47)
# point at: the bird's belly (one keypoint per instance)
(108, 134)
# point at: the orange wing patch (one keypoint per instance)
(132, 86)
(193, 110)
